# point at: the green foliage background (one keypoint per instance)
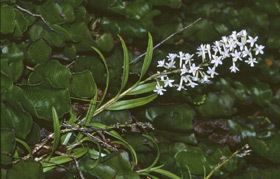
(51, 64)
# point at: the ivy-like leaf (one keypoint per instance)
(26, 169)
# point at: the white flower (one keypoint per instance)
(159, 89)
(252, 40)
(236, 55)
(168, 82)
(237, 46)
(225, 40)
(233, 68)
(231, 44)
(192, 84)
(218, 46)
(216, 60)
(201, 50)
(225, 52)
(243, 33)
(188, 57)
(205, 79)
(242, 44)
(194, 69)
(259, 49)
(251, 61)
(184, 70)
(234, 35)
(181, 57)
(208, 47)
(170, 64)
(212, 71)
(161, 63)
(180, 86)
(171, 56)
(246, 52)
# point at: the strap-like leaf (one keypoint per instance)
(56, 128)
(125, 64)
(143, 88)
(91, 109)
(53, 162)
(132, 103)
(166, 173)
(126, 144)
(148, 57)
(107, 74)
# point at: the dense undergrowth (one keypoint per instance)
(52, 70)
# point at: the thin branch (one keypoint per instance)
(35, 15)
(62, 57)
(164, 40)
(78, 168)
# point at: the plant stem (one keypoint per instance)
(116, 98)
(164, 40)
(221, 164)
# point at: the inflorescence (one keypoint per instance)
(201, 67)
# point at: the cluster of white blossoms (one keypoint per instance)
(201, 67)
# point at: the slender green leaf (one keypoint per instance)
(25, 145)
(157, 149)
(166, 173)
(107, 74)
(143, 88)
(91, 109)
(125, 64)
(49, 164)
(132, 103)
(56, 127)
(148, 57)
(126, 144)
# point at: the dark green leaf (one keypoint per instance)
(51, 74)
(269, 148)
(36, 32)
(38, 52)
(105, 42)
(8, 144)
(83, 85)
(21, 24)
(44, 99)
(7, 19)
(12, 62)
(175, 118)
(26, 169)
(194, 159)
(17, 119)
(217, 105)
